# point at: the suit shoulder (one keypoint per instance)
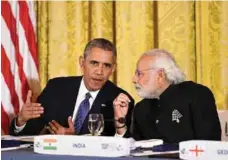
(63, 82)
(114, 88)
(64, 79)
(194, 88)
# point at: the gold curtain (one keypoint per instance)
(195, 32)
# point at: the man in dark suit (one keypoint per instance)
(172, 109)
(65, 103)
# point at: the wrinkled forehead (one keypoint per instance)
(145, 62)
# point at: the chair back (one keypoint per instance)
(223, 117)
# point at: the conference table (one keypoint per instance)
(29, 154)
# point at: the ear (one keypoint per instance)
(114, 68)
(81, 61)
(161, 75)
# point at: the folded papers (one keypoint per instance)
(19, 138)
(148, 143)
(13, 144)
(154, 147)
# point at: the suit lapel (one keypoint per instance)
(104, 105)
(73, 94)
(101, 100)
(96, 107)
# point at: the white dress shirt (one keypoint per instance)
(81, 96)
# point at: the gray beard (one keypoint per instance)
(144, 94)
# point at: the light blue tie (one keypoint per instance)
(82, 113)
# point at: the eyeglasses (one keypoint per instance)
(139, 73)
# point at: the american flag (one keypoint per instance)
(19, 57)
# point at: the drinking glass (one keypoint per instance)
(96, 124)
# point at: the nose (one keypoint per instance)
(134, 79)
(100, 69)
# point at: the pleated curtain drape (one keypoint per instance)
(196, 33)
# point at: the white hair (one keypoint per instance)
(166, 61)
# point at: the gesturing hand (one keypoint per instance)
(121, 105)
(55, 128)
(29, 110)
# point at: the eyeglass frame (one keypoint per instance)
(140, 73)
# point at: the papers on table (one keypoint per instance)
(148, 143)
(87, 145)
(19, 138)
(17, 147)
(154, 147)
(12, 142)
(150, 152)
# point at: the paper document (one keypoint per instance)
(20, 138)
(148, 153)
(14, 148)
(148, 143)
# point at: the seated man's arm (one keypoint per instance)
(135, 125)
(32, 127)
(30, 120)
(206, 123)
(28, 112)
(129, 118)
(123, 106)
(17, 128)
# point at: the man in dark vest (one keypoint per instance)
(172, 109)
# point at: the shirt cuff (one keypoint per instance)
(17, 128)
(120, 135)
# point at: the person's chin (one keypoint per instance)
(142, 94)
(96, 86)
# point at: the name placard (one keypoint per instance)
(199, 149)
(83, 145)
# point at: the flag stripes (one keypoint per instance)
(19, 56)
(8, 78)
(28, 29)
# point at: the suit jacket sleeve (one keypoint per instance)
(135, 125)
(129, 118)
(34, 126)
(206, 123)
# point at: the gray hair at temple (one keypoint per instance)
(164, 60)
(100, 43)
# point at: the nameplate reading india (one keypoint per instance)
(82, 145)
